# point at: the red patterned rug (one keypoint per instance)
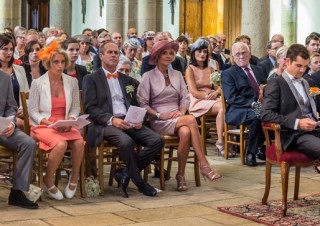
(305, 211)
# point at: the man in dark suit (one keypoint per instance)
(107, 97)
(240, 85)
(288, 103)
(177, 64)
(269, 63)
(16, 140)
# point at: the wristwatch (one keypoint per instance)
(158, 115)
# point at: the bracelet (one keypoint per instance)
(158, 115)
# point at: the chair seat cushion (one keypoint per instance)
(291, 156)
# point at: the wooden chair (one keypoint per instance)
(234, 136)
(166, 154)
(42, 156)
(7, 161)
(276, 156)
(206, 122)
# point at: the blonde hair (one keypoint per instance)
(47, 64)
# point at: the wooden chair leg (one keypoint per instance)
(226, 147)
(242, 149)
(284, 180)
(203, 133)
(169, 165)
(296, 184)
(161, 168)
(100, 164)
(268, 183)
(40, 168)
(196, 171)
(112, 168)
(82, 180)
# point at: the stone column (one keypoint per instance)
(255, 24)
(289, 21)
(10, 13)
(147, 11)
(60, 15)
(114, 15)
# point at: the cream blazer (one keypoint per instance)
(22, 80)
(39, 105)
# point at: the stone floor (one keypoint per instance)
(239, 185)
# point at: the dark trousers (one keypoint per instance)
(308, 144)
(26, 148)
(256, 137)
(125, 141)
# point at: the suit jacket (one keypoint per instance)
(266, 66)
(239, 93)
(8, 105)
(218, 58)
(81, 71)
(97, 101)
(39, 105)
(177, 64)
(96, 62)
(280, 105)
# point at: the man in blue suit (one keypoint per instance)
(240, 85)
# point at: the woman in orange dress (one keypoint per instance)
(55, 96)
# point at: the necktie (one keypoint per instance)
(253, 82)
(114, 75)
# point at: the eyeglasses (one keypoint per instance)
(242, 54)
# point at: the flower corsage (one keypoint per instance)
(314, 91)
(130, 89)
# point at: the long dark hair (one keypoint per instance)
(5, 39)
(193, 60)
(27, 50)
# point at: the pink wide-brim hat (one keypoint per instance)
(160, 46)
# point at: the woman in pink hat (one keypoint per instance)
(164, 94)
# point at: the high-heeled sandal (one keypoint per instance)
(58, 195)
(68, 192)
(181, 183)
(207, 172)
(220, 147)
(316, 169)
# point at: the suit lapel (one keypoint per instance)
(311, 100)
(122, 82)
(292, 88)
(104, 82)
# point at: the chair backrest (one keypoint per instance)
(275, 129)
(24, 101)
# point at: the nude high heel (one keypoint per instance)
(181, 183)
(207, 172)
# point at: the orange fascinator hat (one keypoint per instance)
(45, 53)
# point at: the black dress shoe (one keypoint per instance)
(251, 160)
(157, 173)
(18, 198)
(261, 153)
(123, 179)
(146, 189)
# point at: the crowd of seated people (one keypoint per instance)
(171, 79)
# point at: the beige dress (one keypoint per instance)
(197, 106)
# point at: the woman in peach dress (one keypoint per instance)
(55, 96)
(204, 96)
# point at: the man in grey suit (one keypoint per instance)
(16, 140)
(288, 103)
(107, 96)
